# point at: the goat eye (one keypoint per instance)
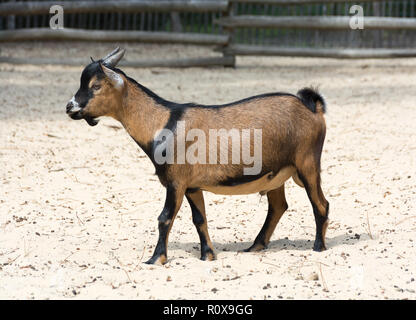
(96, 87)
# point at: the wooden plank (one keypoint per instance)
(42, 7)
(166, 63)
(315, 22)
(320, 52)
(298, 2)
(99, 35)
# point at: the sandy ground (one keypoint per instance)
(78, 205)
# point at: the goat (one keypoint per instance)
(293, 132)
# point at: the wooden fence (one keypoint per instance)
(317, 28)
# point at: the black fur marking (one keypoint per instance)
(175, 116)
(310, 97)
(234, 181)
(241, 179)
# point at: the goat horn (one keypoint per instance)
(114, 59)
(111, 53)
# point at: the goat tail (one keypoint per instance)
(312, 99)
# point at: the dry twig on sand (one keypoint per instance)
(368, 228)
(322, 277)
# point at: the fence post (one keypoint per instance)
(11, 21)
(378, 33)
(229, 31)
(176, 22)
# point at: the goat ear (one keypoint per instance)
(116, 80)
(114, 57)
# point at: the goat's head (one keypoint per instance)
(100, 91)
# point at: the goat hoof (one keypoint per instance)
(256, 247)
(157, 260)
(208, 256)
(318, 246)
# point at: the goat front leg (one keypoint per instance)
(174, 197)
(196, 201)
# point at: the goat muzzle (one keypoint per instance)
(73, 109)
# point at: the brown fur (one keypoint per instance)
(290, 132)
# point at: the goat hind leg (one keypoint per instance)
(277, 206)
(309, 174)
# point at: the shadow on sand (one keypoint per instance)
(274, 246)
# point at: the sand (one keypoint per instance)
(79, 204)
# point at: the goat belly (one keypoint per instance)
(262, 185)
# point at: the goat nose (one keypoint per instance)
(69, 106)
(72, 106)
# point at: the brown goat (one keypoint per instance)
(292, 136)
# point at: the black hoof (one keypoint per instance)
(160, 260)
(208, 255)
(319, 246)
(256, 247)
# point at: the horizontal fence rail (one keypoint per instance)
(326, 22)
(250, 50)
(141, 63)
(299, 2)
(110, 36)
(36, 7)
